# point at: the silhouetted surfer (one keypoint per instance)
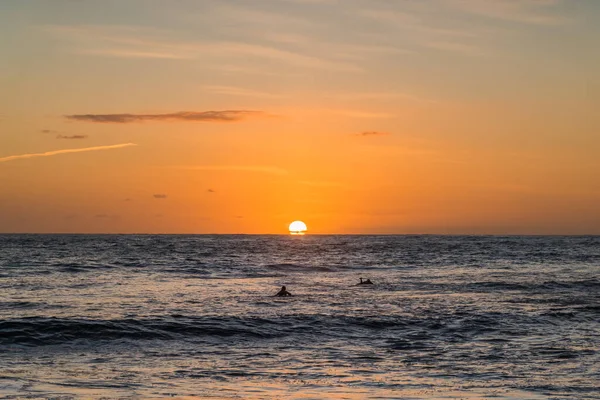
(367, 282)
(283, 292)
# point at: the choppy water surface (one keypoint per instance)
(176, 316)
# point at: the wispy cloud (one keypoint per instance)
(138, 42)
(160, 196)
(106, 216)
(360, 114)
(455, 47)
(71, 136)
(392, 16)
(423, 28)
(129, 53)
(360, 96)
(243, 168)
(284, 56)
(538, 12)
(120, 41)
(240, 91)
(419, 26)
(202, 116)
(371, 133)
(60, 135)
(66, 151)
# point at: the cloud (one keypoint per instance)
(523, 11)
(159, 196)
(456, 47)
(416, 22)
(202, 116)
(121, 41)
(106, 216)
(244, 168)
(60, 135)
(66, 151)
(123, 53)
(360, 96)
(284, 56)
(240, 92)
(71, 136)
(211, 191)
(371, 133)
(360, 114)
(144, 43)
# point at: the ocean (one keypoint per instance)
(193, 316)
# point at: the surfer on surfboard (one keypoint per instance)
(283, 292)
(367, 282)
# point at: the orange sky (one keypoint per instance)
(440, 116)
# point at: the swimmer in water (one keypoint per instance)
(283, 292)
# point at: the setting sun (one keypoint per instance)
(297, 228)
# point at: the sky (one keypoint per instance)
(354, 116)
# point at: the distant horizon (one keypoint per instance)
(298, 236)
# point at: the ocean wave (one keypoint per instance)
(536, 286)
(19, 305)
(44, 331)
(38, 331)
(290, 267)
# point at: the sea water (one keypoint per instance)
(156, 316)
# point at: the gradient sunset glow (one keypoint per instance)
(359, 116)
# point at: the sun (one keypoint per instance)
(297, 228)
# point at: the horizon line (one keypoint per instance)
(306, 234)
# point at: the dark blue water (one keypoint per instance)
(92, 316)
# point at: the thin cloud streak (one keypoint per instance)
(66, 151)
(71, 136)
(243, 168)
(202, 116)
(361, 114)
(457, 47)
(359, 96)
(61, 135)
(371, 133)
(240, 91)
(523, 11)
(124, 53)
(137, 42)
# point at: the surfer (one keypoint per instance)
(283, 292)
(367, 282)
